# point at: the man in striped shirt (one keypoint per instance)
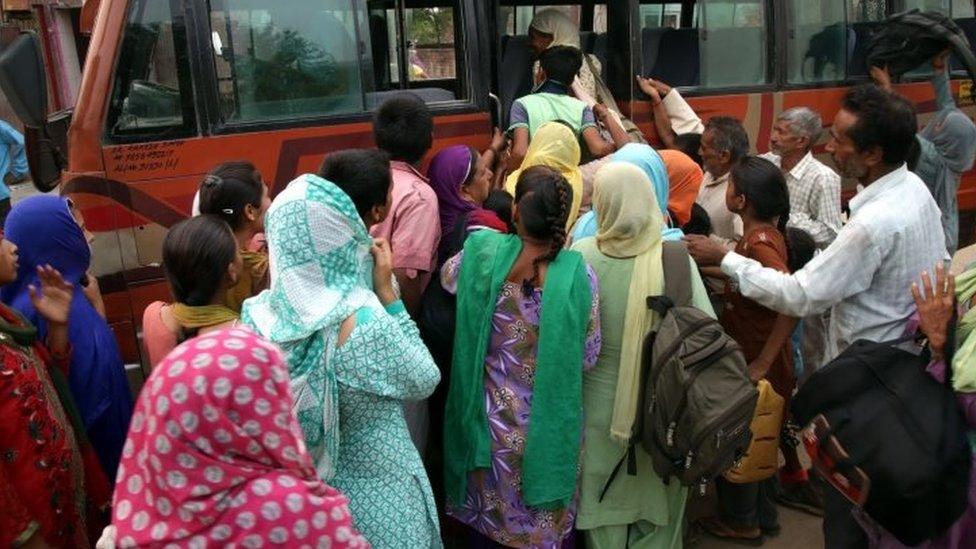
(814, 187)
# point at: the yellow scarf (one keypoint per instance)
(253, 279)
(204, 316)
(630, 223)
(554, 146)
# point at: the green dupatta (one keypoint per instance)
(964, 360)
(555, 422)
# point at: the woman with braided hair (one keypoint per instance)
(527, 328)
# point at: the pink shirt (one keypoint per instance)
(412, 226)
(157, 337)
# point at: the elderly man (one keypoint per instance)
(814, 188)
(723, 144)
(893, 234)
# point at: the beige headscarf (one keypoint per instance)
(630, 224)
(563, 30)
(554, 146)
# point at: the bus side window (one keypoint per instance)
(285, 60)
(152, 96)
(432, 65)
(819, 43)
(724, 46)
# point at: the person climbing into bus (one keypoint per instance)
(235, 192)
(947, 147)
(404, 128)
(553, 101)
(552, 28)
(677, 124)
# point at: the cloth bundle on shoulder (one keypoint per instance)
(902, 428)
(912, 38)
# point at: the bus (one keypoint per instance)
(171, 88)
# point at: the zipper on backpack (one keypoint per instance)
(728, 413)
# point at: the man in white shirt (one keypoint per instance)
(864, 276)
(814, 187)
(723, 144)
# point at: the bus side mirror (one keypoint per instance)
(23, 80)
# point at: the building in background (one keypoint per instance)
(59, 24)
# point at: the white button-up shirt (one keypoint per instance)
(814, 198)
(865, 276)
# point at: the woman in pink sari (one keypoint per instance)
(215, 456)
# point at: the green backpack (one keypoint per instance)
(697, 400)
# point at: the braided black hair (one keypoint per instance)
(544, 199)
(764, 186)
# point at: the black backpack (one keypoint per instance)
(901, 427)
(912, 38)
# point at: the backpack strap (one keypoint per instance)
(677, 279)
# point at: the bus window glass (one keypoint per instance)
(152, 95)
(928, 5)
(301, 59)
(863, 19)
(430, 43)
(724, 46)
(963, 9)
(516, 19)
(817, 45)
(732, 43)
(418, 47)
(866, 11)
(279, 60)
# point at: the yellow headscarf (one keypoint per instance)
(554, 145)
(563, 30)
(630, 224)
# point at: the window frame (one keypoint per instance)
(470, 53)
(771, 31)
(195, 126)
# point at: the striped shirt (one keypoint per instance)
(814, 198)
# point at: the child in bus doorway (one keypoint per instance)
(552, 101)
(757, 192)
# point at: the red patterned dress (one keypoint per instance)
(42, 465)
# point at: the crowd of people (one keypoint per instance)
(390, 355)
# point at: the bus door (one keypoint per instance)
(281, 84)
(605, 36)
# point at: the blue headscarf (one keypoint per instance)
(45, 233)
(647, 159)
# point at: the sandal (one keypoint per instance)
(717, 528)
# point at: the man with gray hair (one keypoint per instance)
(815, 209)
(723, 143)
(814, 188)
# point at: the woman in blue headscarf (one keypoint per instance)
(647, 159)
(46, 232)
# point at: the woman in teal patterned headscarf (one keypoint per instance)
(352, 384)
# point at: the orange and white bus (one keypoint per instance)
(170, 88)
